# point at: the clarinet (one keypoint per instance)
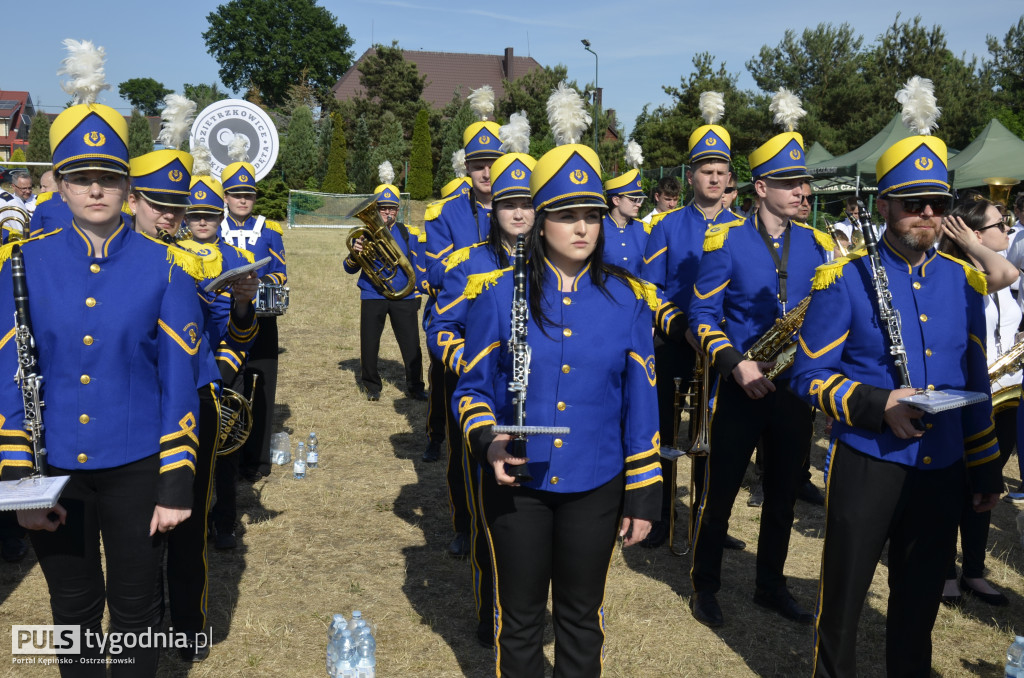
(889, 316)
(28, 377)
(521, 369)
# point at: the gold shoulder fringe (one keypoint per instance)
(824, 239)
(975, 278)
(274, 226)
(5, 251)
(646, 291)
(715, 237)
(478, 282)
(43, 197)
(434, 208)
(456, 258)
(197, 260)
(826, 274)
(245, 254)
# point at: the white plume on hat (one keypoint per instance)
(712, 107)
(177, 118)
(459, 163)
(920, 109)
(515, 136)
(634, 154)
(786, 107)
(238, 148)
(202, 161)
(84, 67)
(567, 115)
(481, 100)
(385, 172)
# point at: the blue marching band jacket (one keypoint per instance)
(408, 240)
(262, 237)
(844, 367)
(624, 245)
(118, 333)
(228, 338)
(597, 378)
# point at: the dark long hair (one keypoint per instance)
(537, 251)
(972, 211)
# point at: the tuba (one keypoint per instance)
(381, 258)
(235, 420)
(1007, 363)
(999, 190)
(11, 214)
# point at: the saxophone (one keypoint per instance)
(1007, 363)
(777, 345)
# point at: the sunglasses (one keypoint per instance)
(939, 204)
(730, 189)
(1001, 225)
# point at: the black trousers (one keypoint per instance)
(869, 501)
(671, 361)
(262, 363)
(562, 540)
(187, 571)
(784, 423)
(457, 474)
(436, 406)
(372, 315)
(974, 525)
(224, 513)
(117, 503)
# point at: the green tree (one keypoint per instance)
(39, 144)
(140, 137)
(18, 155)
(391, 146)
(1005, 68)
(299, 149)
(267, 44)
(273, 197)
(530, 93)
(421, 174)
(203, 94)
(336, 180)
(324, 135)
(145, 94)
(458, 116)
(361, 174)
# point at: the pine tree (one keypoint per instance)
(391, 146)
(460, 117)
(39, 144)
(140, 138)
(360, 173)
(18, 156)
(336, 180)
(421, 174)
(298, 152)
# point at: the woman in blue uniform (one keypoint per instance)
(592, 370)
(117, 329)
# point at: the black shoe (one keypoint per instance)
(782, 601)
(418, 395)
(373, 396)
(433, 452)
(197, 649)
(756, 496)
(485, 633)
(657, 536)
(224, 540)
(810, 493)
(13, 549)
(733, 543)
(459, 548)
(956, 601)
(994, 599)
(250, 475)
(705, 609)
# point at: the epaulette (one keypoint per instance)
(43, 197)
(196, 259)
(434, 208)
(975, 278)
(716, 234)
(5, 196)
(824, 240)
(127, 209)
(646, 291)
(420, 233)
(274, 226)
(245, 254)
(458, 256)
(661, 215)
(478, 282)
(647, 226)
(826, 274)
(5, 251)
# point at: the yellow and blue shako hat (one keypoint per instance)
(481, 140)
(207, 195)
(628, 184)
(89, 136)
(782, 156)
(710, 140)
(239, 177)
(915, 165)
(510, 176)
(460, 185)
(387, 195)
(567, 176)
(163, 177)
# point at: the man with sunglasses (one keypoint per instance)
(624, 236)
(897, 474)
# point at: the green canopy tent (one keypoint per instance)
(996, 152)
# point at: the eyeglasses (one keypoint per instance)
(387, 209)
(939, 204)
(637, 201)
(80, 184)
(199, 218)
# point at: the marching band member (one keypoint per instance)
(119, 365)
(262, 237)
(375, 308)
(624, 236)
(592, 370)
(887, 479)
(752, 273)
(670, 262)
(512, 214)
(458, 221)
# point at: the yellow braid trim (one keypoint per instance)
(646, 291)
(5, 251)
(478, 282)
(455, 258)
(274, 226)
(975, 278)
(434, 208)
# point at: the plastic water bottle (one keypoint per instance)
(345, 667)
(280, 448)
(299, 467)
(312, 452)
(1014, 658)
(366, 666)
(357, 617)
(338, 624)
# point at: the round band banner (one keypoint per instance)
(218, 124)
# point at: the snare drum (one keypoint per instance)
(271, 299)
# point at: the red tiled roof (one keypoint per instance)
(446, 72)
(13, 105)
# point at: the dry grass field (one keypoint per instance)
(368, 531)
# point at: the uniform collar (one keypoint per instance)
(113, 243)
(578, 282)
(897, 260)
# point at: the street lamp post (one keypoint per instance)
(586, 46)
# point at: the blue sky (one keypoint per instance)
(641, 45)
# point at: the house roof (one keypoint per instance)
(446, 72)
(17, 109)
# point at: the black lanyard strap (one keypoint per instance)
(780, 262)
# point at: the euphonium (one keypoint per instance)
(999, 190)
(777, 345)
(381, 258)
(235, 419)
(10, 213)
(1007, 363)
